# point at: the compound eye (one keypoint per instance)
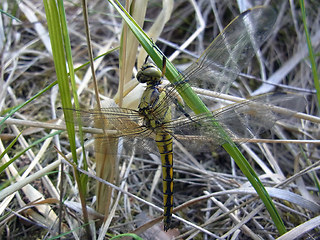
(148, 73)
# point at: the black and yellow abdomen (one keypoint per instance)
(164, 143)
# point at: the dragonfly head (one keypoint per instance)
(150, 74)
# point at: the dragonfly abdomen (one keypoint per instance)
(164, 143)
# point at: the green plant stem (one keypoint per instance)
(311, 53)
(59, 42)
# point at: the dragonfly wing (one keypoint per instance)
(231, 50)
(242, 121)
(121, 121)
(115, 123)
(255, 116)
(127, 145)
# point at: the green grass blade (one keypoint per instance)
(15, 109)
(6, 164)
(60, 42)
(127, 235)
(9, 15)
(26, 149)
(67, 44)
(59, 58)
(311, 53)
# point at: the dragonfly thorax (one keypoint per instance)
(150, 74)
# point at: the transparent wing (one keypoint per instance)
(125, 122)
(244, 120)
(241, 121)
(231, 50)
(117, 123)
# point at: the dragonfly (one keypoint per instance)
(162, 118)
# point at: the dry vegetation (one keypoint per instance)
(222, 202)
